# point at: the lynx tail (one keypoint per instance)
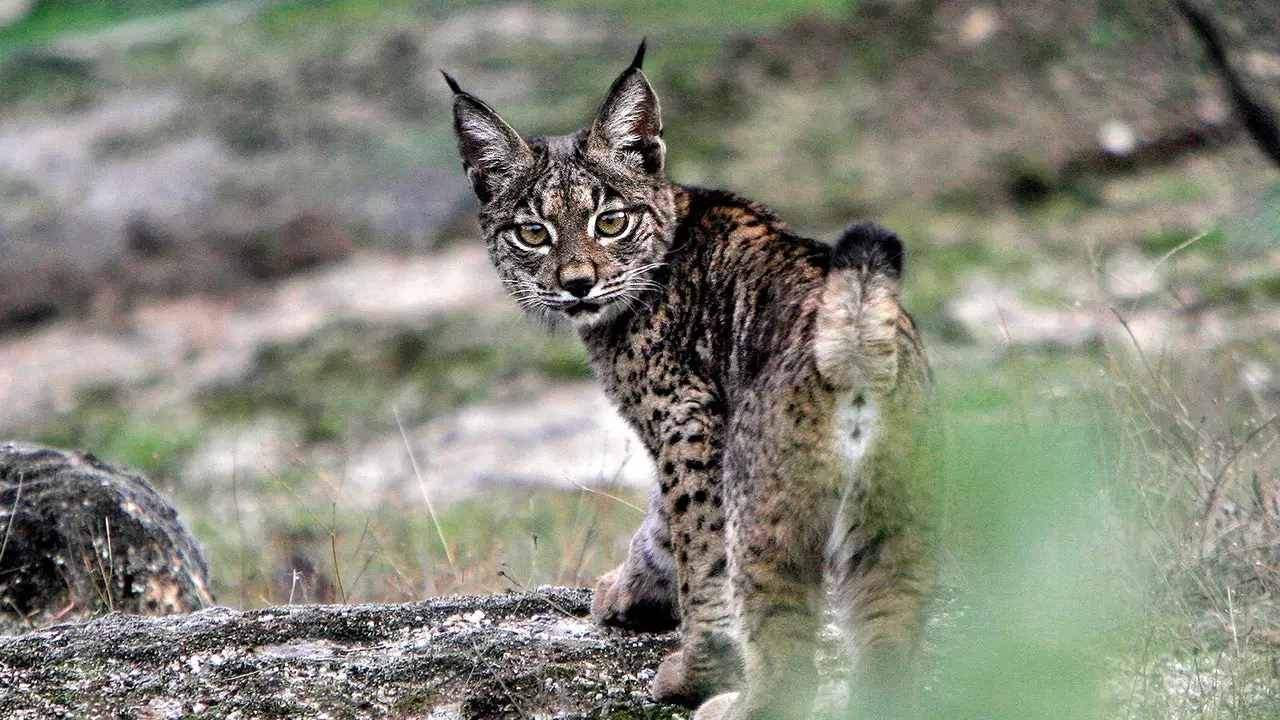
(856, 345)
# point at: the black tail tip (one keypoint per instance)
(638, 60)
(868, 245)
(453, 84)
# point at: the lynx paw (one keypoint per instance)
(719, 707)
(676, 684)
(630, 602)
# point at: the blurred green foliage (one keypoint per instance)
(1034, 550)
(104, 425)
(50, 18)
(338, 382)
(752, 15)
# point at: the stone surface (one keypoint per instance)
(519, 655)
(79, 537)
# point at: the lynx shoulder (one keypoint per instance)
(776, 381)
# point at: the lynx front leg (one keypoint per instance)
(641, 593)
(691, 490)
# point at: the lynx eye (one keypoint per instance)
(533, 234)
(611, 224)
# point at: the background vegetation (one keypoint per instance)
(1093, 256)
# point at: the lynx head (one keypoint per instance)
(578, 224)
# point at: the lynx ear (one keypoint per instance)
(628, 126)
(493, 153)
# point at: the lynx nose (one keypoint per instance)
(577, 280)
(579, 287)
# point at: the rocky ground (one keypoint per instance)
(516, 655)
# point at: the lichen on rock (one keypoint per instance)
(518, 655)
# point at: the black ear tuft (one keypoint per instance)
(627, 130)
(453, 84)
(493, 153)
(638, 60)
(871, 246)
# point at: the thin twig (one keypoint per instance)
(581, 559)
(1187, 447)
(507, 576)
(26, 619)
(533, 557)
(103, 593)
(615, 498)
(368, 558)
(1258, 119)
(511, 698)
(1181, 246)
(1013, 363)
(337, 572)
(13, 515)
(407, 584)
(448, 553)
(111, 557)
(244, 542)
(561, 610)
(1222, 482)
(106, 577)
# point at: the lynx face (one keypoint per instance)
(576, 225)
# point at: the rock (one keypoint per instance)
(11, 11)
(995, 314)
(80, 536)
(503, 656)
(979, 25)
(563, 437)
(1117, 137)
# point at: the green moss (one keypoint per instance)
(713, 13)
(288, 19)
(1117, 25)
(103, 422)
(56, 83)
(1182, 188)
(415, 704)
(340, 383)
(936, 278)
(562, 358)
(1254, 291)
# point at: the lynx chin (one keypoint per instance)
(776, 381)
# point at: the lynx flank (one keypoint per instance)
(775, 380)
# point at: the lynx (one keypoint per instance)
(776, 381)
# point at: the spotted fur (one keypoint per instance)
(777, 383)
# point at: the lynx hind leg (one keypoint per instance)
(856, 344)
(641, 594)
(882, 569)
(882, 600)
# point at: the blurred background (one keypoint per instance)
(237, 254)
